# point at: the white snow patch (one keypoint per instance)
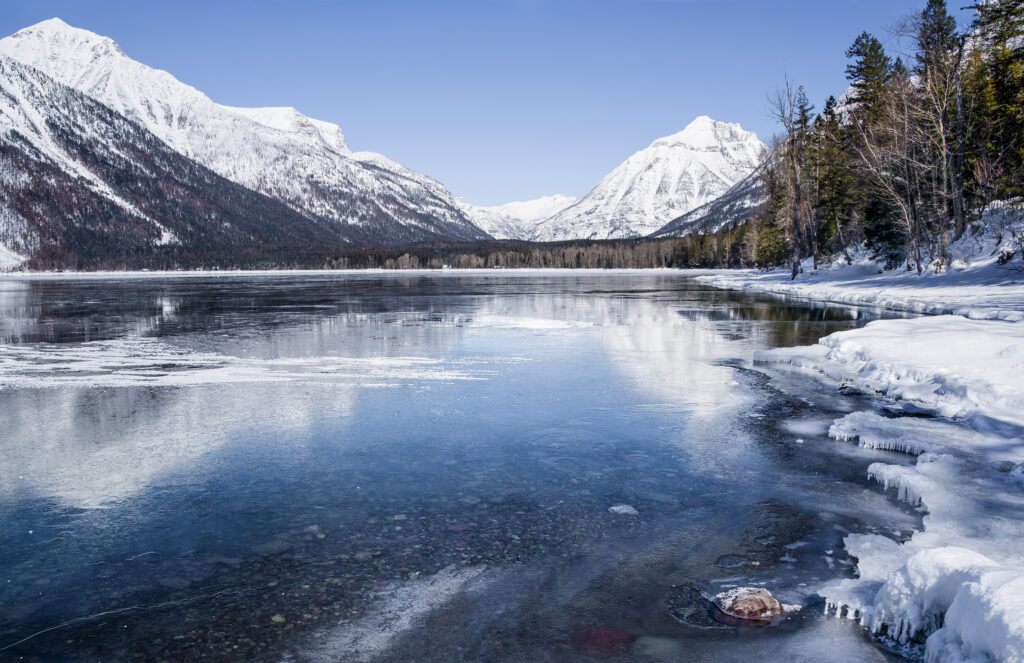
(401, 608)
(148, 361)
(9, 259)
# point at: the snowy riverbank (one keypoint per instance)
(955, 590)
(975, 286)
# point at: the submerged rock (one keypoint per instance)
(602, 640)
(275, 547)
(730, 561)
(623, 510)
(688, 605)
(754, 604)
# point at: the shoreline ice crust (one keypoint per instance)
(953, 591)
(143, 361)
(955, 366)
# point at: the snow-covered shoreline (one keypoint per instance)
(974, 285)
(953, 591)
(986, 292)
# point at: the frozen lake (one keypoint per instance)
(416, 466)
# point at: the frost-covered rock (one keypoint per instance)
(750, 603)
(672, 176)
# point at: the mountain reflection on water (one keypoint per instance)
(235, 467)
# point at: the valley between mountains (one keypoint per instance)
(106, 162)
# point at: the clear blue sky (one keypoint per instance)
(499, 99)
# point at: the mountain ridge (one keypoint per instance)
(304, 163)
(83, 187)
(515, 220)
(670, 177)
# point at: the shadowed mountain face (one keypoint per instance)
(84, 187)
(294, 169)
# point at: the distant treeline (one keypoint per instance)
(726, 248)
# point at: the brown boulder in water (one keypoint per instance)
(753, 604)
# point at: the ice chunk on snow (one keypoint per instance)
(972, 607)
(916, 597)
(912, 436)
(983, 622)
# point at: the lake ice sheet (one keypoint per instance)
(416, 466)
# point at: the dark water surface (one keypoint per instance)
(415, 467)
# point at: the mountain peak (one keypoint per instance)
(704, 132)
(55, 33)
(672, 176)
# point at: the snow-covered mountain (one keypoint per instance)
(671, 177)
(740, 203)
(515, 220)
(304, 163)
(82, 187)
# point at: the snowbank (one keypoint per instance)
(9, 259)
(956, 366)
(975, 286)
(953, 591)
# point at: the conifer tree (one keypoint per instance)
(1000, 26)
(870, 70)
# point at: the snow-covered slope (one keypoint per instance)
(669, 178)
(740, 203)
(82, 186)
(515, 220)
(304, 163)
